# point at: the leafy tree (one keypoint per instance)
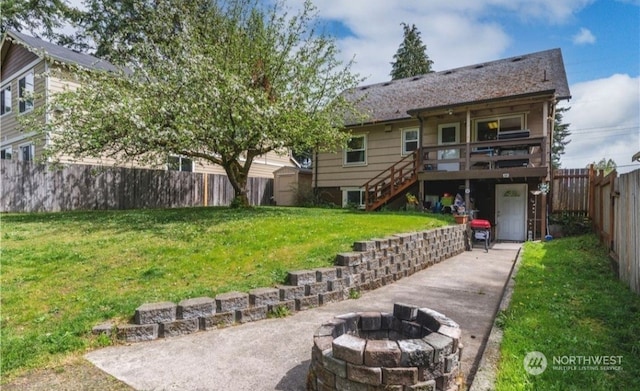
(411, 58)
(560, 134)
(113, 25)
(224, 82)
(39, 18)
(606, 165)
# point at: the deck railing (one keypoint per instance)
(486, 155)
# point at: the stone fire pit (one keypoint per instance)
(411, 349)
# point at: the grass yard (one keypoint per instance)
(568, 305)
(62, 273)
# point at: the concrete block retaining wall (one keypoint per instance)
(371, 264)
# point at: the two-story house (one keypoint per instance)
(32, 70)
(482, 132)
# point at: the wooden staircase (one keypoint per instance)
(391, 182)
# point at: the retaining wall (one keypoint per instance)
(371, 264)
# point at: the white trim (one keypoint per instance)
(545, 116)
(522, 115)
(32, 151)
(18, 138)
(22, 71)
(449, 125)
(33, 99)
(47, 114)
(10, 86)
(449, 153)
(403, 140)
(365, 148)
(345, 200)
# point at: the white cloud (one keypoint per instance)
(457, 33)
(604, 121)
(584, 37)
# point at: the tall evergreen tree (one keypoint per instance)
(560, 134)
(411, 59)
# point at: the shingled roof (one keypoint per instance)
(59, 53)
(532, 74)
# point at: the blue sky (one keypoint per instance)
(599, 39)
(600, 42)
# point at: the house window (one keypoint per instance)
(6, 153)
(409, 140)
(25, 92)
(353, 197)
(356, 151)
(27, 153)
(179, 163)
(488, 129)
(5, 100)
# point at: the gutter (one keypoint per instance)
(414, 112)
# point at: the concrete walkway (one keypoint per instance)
(274, 354)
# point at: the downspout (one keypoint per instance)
(467, 164)
(47, 136)
(315, 172)
(550, 121)
(421, 191)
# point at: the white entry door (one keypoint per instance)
(511, 212)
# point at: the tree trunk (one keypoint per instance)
(238, 176)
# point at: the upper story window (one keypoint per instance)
(27, 153)
(488, 129)
(6, 153)
(409, 140)
(25, 92)
(356, 151)
(5, 100)
(179, 163)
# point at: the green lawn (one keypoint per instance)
(62, 273)
(568, 305)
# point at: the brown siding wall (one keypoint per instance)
(384, 148)
(16, 58)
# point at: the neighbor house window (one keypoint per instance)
(25, 92)
(356, 151)
(488, 129)
(6, 153)
(27, 153)
(353, 198)
(5, 100)
(179, 163)
(409, 140)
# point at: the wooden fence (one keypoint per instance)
(29, 187)
(615, 212)
(613, 204)
(570, 190)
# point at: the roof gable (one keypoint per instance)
(48, 50)
(529, 74)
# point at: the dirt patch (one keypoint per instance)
(76, 375)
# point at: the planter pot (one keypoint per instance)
(461, 219)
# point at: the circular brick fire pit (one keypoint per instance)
(411, 349)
